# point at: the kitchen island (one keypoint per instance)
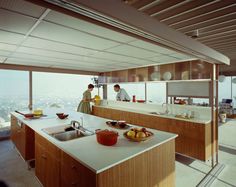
(84, 162)
(194, 134)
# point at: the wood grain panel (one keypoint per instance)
(23, 138)
(74, 173)
(152, 168)
(47, 162)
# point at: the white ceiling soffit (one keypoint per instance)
(117, 14)
(46, 38)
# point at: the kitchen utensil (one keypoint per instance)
(138, 139)
(107, 137)
(141, 101)
(118, 124)
(62, 115)
(97, 100)
(167, 76)
(38, 112)
(25, 115)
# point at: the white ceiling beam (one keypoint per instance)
(209, 20)
(217, 34)
(201, 15)
(149, 5)
(169, 8)
(190, 10)
(212, 25)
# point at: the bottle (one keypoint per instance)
(134, 99)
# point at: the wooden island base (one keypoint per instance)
(194, 139)
(155, 167)
(56, 168)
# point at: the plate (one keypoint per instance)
(156, 76)
(117, 125)
(133, 139)
(167, 76)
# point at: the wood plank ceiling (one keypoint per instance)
(212, 22)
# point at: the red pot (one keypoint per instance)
(107, 137)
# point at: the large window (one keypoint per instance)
(234, 90)
(156, 92)
(60, 90)
(225, 89)
(14, 93)
(137, 89)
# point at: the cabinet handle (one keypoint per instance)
(74, 183)
(43, 156)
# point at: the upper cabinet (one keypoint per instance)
(188, 70)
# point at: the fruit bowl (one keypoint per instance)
(138, 135)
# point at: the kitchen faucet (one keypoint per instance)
(166, 110)
(73, 123)
(79, 126)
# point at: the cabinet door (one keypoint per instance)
(47, 162)
(40, 163)
(75, 174)
(52, 170)
(14, 132)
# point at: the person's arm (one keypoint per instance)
(118, 96)
(126, 96)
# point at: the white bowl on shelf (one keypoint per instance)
(167, 76)
(155, 76)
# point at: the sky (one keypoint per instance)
(44, 84)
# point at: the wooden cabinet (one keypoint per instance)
(73, 173)
(23, 138)
(193, 139)
(47, 162)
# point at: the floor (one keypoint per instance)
(188, 172)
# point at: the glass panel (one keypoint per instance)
(234, 90)
(156, 93)
(225, 89)
(137, 89)
(14, 93)
(60, 90)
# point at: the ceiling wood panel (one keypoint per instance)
(215, 20)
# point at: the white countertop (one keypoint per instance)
(170, 116)
(86, 149)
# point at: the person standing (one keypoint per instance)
(121, 93)
(84, 105)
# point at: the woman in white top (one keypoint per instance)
(121, 93)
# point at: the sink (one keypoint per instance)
(70, 135)
(66, 132)
(158, 113)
